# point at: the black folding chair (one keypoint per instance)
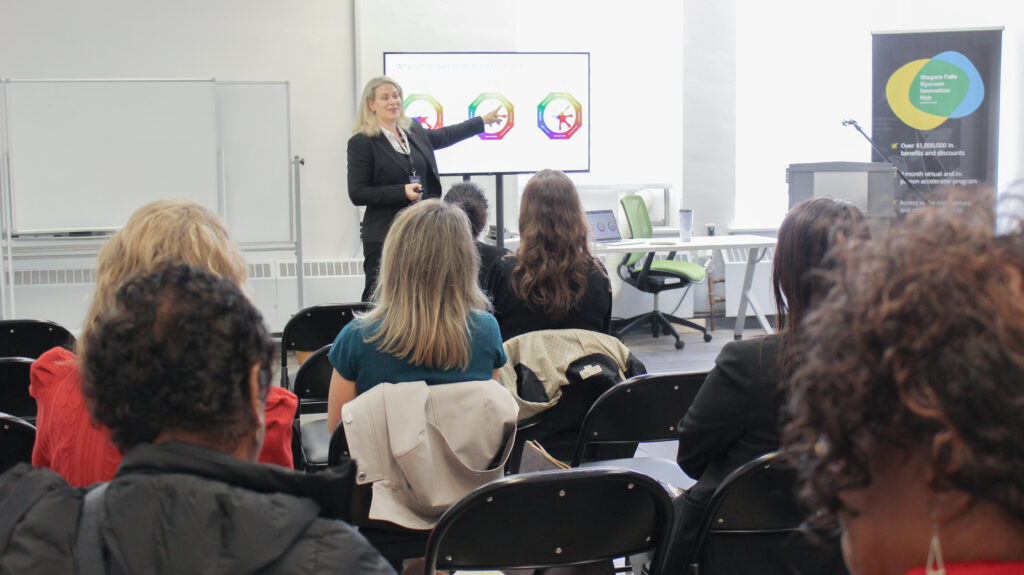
(17, 437)
(312, 328)
(394, 542)
(31, 337)
(557, 427)
(553, 518)
(310, 440)
(14, 381)
(644, 408)
(753, 524)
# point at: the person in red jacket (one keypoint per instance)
(68, 441)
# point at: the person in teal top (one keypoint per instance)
(430, 322)
(361, 362)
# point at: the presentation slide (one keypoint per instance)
(544, 102)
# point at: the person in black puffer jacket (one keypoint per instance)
(179, 371)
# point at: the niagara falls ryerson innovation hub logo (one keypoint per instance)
(925, 93)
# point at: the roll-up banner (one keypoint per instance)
(935, 109)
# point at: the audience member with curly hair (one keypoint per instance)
(553, 281)
(906, 405)
(178, 369)
(67, 439)
(735, 416)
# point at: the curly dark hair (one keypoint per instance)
(175, 353)
(921, 334)
(472, 200)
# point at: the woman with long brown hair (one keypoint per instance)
(734, 417)
(552, 281)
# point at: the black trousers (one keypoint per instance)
(371, 266)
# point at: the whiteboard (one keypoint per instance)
(84, 155)
(254, 138)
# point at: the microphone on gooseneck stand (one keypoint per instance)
(883, 156)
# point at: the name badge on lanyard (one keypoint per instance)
(414, 178)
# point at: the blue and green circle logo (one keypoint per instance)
(925, 93)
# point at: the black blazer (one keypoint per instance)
(377, 174)
(735, 416)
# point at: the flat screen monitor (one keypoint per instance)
(543, 100)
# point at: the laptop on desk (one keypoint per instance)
(605, 230)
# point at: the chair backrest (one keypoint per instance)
(31, 337)
(753, 523)
(14, 381)
(643, 408)
(17, 437)
(536, 520)
(338, 450)
(313, 381)
(639, 223)
(314, 327)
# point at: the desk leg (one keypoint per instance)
(755, 255)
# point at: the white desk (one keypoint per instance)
(758, 246)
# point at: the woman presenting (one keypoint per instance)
(391, 163)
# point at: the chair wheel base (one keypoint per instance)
(680, 344)
(707, 337)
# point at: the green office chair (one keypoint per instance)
(646, 274)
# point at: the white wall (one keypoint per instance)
(809, 68)
(308, 43)
(636, 82)
(709, 113)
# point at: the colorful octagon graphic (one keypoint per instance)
(925, 93)
(488, 101)
(425, 109)
(559, 115)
